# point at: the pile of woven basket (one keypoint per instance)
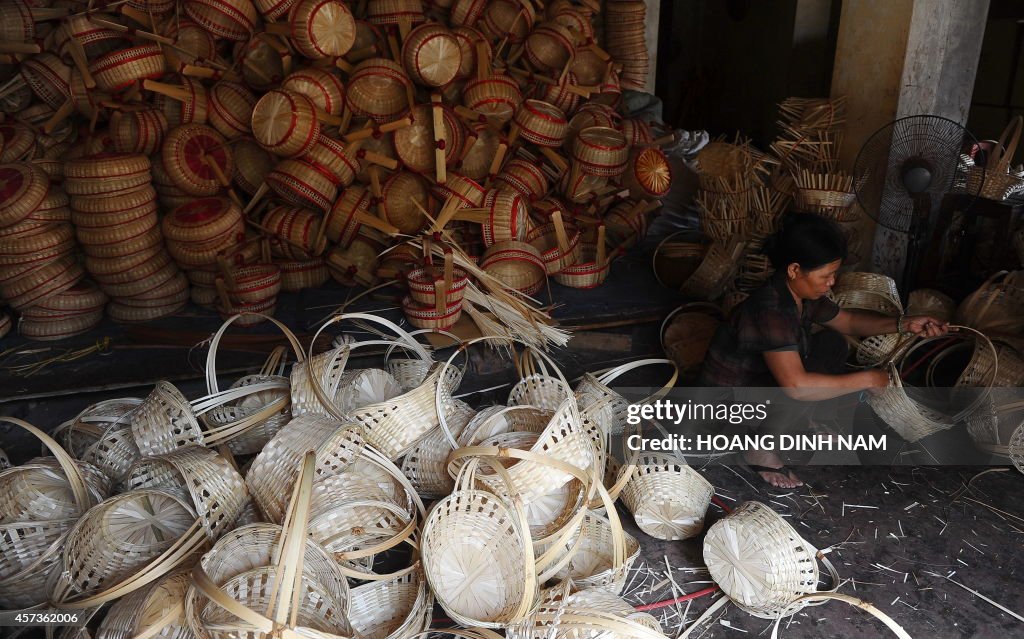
(205, 515)
(286, 143)
(742, 193)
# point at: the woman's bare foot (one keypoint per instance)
(767, 459)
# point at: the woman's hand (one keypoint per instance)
(925, 326)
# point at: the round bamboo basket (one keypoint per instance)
(140, 132)
(559, 248)
(478, 153)
(400, 607)
(323, 87)
(203, 220)
(869, 292)
(541, 123)
(600, 151)
(190, 103)
(208, 481)
(321, 28)
(125, 172)
(189, 153)
(23, 188)
(285, 123)
(467, 12)
(550, 47)
(431, 55)
(120, 536)
(101, 435)
(48, 77)
(343, 220)
(331, 156)
(995, 306)
(496, 97)
(204, 296)
(926, 301)
(403, 197)
(579, 188)
(586, 272)
(422, 283)
(589, 115)
(428, 318)
(121, 69)
(113, 236)
(228, 19)
(299, 274)
(192, 43)
(254, 283)
(19, 142)
(526, 178)
(518, 265)
(648, 173)
(126, 204)
(601, 556)
(717, 266)
(469, 40)
(426, 465)
(377, 89)
(761, 563)
(296, 233)
(129, 246)
(466, 191)
(303, 184)
(152, 276)
(252, 164)
(41, 284)
(164, 422)
(626, 223)
(191, 255)
(588, 67)
(273, 9)
(561, 94)
(26, 245)
(387, 12)
(230, 109)
(507, 218)
(667, 498)
(157, 609)
(477, 542)
(262, 64)
(137, 273)
(415, 145)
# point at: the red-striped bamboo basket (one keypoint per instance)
(541, 123)
(580, 188)
(192, 43)
(519, 265)
(48, 78)
(230, 109)
(562, 95)
(348, 215)
(398, 12)
(378, 88)
(415, 145)
(550, 47)
(299, 274)
(589, 115)
(229, 19)
(428, 318)
(470, 40)
(182, 99)
(273, 9)
(330, 155)
(467, 12)
(138, 131)
(592, 268)
(121, 69)
(526, 178)
(57, 329)
(588, 67)
(23, 188)
(496, 97)
(403, 198)
(321, 28)
(467, 192)
(19, 140)
(296, 233)
(41, 284)
(423, 285)
(627, 222)
(600, 151)
(431, 55)
(648, 173)
(252, 284)
(559, 244)
(107, 174)
(510, 19)
(252, 164)
(323, 87)
(203, 221)
(303, 184)
(197, 159)
(262, 63)
(284, 123)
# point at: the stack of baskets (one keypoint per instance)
(114, 211)
(625, 31)
(39, 274)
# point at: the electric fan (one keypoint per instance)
(903, 173)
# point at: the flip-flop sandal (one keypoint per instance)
(783, 470)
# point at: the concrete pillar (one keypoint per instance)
(896, 58)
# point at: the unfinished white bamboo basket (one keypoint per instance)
(761, 563)
(667, 498)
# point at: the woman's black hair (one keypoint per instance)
(812, 241)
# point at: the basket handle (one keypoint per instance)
(853, 601)
(211, 356)
(282, 607)
(1007, 149)
(610, 376)
(690, 306)
(76, 481)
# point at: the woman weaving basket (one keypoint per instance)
(768, 341)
